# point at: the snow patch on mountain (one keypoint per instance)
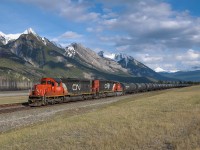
(70, 51)
(29, 31)
(116, 57)
(119, 57)
(173, 71)
(44, 41)
(110, 56)
(158, 69)
(106, 55)
(5, 38)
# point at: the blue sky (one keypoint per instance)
(160, 33)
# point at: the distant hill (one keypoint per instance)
(186, 76)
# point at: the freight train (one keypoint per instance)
(59, 90)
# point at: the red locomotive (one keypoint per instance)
(55, 90)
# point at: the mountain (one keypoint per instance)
(6, 38)
(133, 66)
(92, 59)
(29, 56)
(186, 76)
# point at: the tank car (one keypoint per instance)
(130, 88)
(141, 87)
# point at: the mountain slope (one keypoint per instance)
(134, 67)
(92, 59)
(39, 55)
(31, 56)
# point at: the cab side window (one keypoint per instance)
(43, 82)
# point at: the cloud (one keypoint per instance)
(190, 59)
(70, 35)
(94, 29)
(72, 10)
(150, 30)
(123, 48)
(147, 58)
(190, 55)
(155, 24)
(155, 34)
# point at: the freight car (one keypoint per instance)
(56, 90)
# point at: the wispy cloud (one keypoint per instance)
(70, 35)
(72, 10)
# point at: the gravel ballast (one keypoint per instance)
(9, 121)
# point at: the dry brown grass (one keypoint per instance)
(13, 99)
(157, 120)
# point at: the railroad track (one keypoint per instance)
(7, 108)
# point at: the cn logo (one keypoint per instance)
(76, 87)
(107, 86)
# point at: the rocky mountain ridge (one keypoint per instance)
(133, 66)
(37, 56)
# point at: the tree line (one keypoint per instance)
(11, 84)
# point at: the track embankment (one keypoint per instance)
(12, 116)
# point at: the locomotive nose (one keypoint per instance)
(39, 90)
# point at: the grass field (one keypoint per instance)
(9, 97)
(13, 99)
(157, 120)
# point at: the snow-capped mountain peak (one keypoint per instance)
(2, 34)
(29, 31)
(116, 57)
(5, 38)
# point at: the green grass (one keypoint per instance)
(158, 120)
